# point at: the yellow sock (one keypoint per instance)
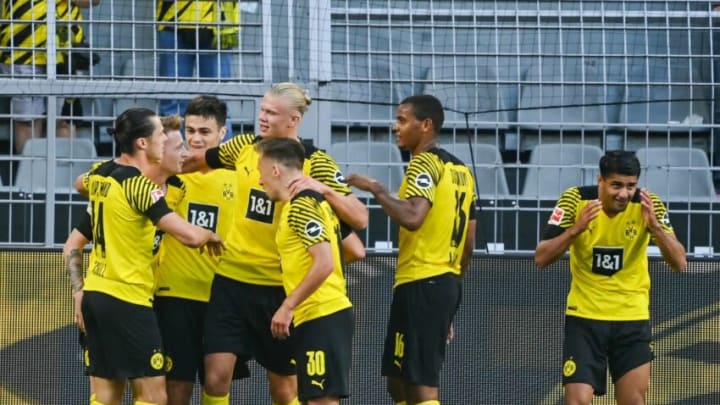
(433, 402)
(143, 403)
(94, 401)
(211, 400)
(293, 402)
(401, 403)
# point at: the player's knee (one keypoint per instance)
(217, 382)
(283, 395)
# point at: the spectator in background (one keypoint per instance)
(24, 55)
(191, 29)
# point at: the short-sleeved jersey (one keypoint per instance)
(252, 255)
(125, 205)
(306, 221)
(608, 262)
(437, 246)
(209, 202)
(174, 193)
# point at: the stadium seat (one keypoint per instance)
(542, 87)
(673, 110)
(488, 171)
(557, 167)
(676, 173)
(74, 157)
(379, 160)
(471, 98)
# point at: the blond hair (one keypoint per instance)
(171, 123)
(297, 97)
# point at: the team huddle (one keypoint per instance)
(209, 256)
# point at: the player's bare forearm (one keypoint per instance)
(469, 246)
(549, 251)
(195, 161)
(671, 249)
(348, 208)
(73, 265)
(409, 214)
(322, 267)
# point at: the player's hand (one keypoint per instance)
(79, 321)
(648, 210)
(304, 183)
(280, 324)
(451, 334)
(361, 182)
(214, 246)
(589, 212)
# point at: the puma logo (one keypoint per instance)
(246, 170)
(397, 363)
(320, 384)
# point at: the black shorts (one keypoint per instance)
(591, 346)
(323, 351)
(84, 352)
(420, 318)
(238, 321)
(181, 324)
(123, 339)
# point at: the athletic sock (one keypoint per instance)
(211, 400)
(94, 401)
(433, 402)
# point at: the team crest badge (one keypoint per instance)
(228, 193)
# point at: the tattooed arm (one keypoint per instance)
(73, 254)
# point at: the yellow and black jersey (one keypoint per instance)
(209, 203)
(608, 261)
(199, 14)
(24, 41)
(252, 255)
(174, 193)
(125, 205)
(437, 246)
(307, 221)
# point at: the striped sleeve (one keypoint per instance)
(306, 221)
(225, 155)
(563, 215)
(423, 175)
(661, 213)
(144, 196)
(324, 169)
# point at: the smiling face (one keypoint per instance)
(175, 153)
(203, 132)
(277, 118)
(616, 191)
